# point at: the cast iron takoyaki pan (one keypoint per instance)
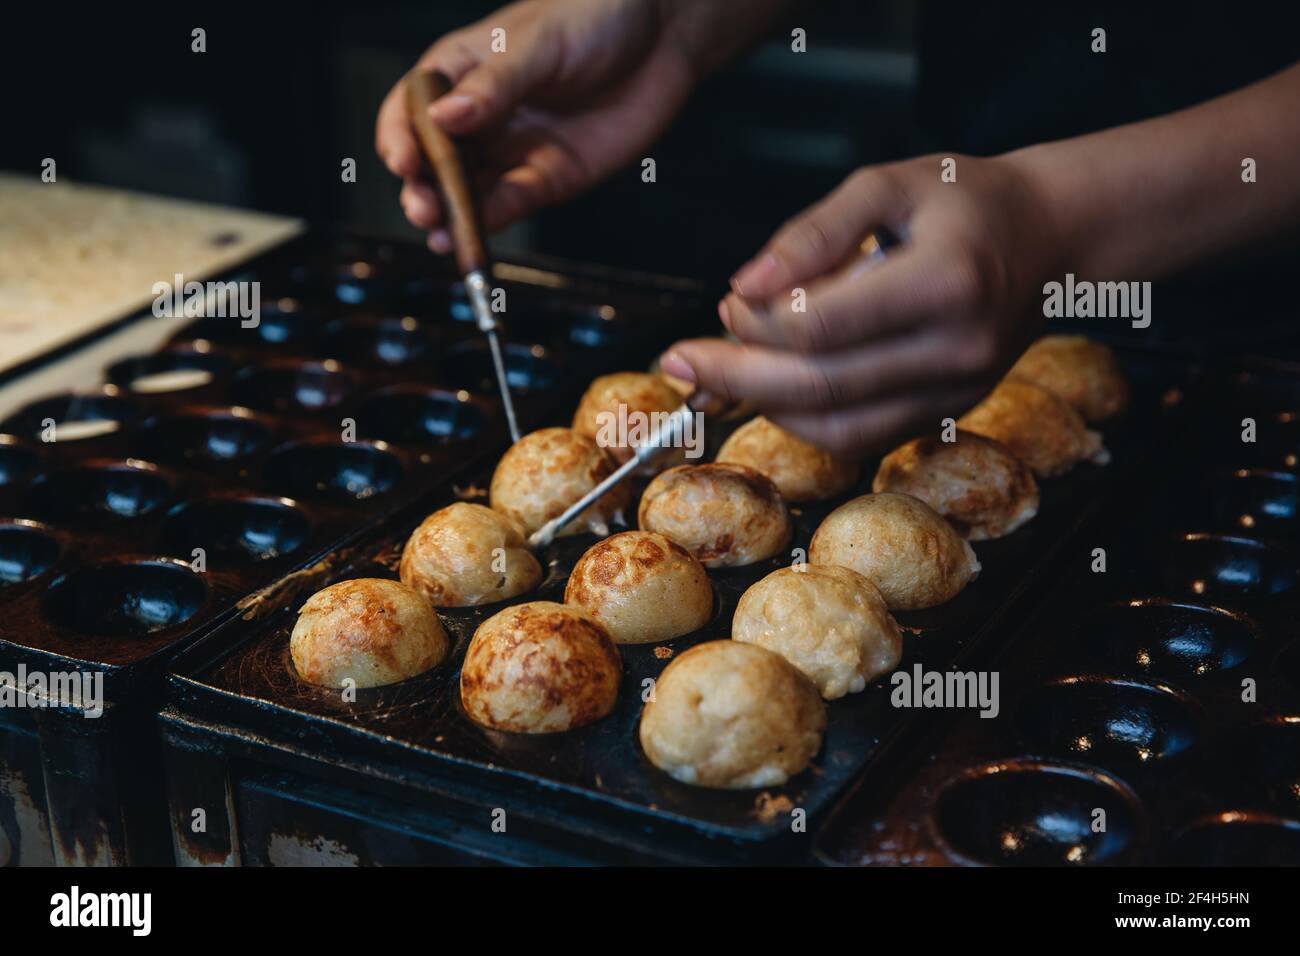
(597, 777)
(138, 513)
(1163, 692)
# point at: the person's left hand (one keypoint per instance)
(883, 351)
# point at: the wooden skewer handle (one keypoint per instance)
(444, 156)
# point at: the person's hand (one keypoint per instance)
(582, 88)
(884, 350)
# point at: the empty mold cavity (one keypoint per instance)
(241, 529)
(167, 371)
(1257, 501)
(358, 281)
(203, 436)
(1032, 813)
(350, 276)
(1107, 720)
(529, 368)
(74, 417)
(99, 490)
(17, 461)
(340, 470)
(1236, 838)
(387, 341)
(26, 551)
(420, 415)
(1170, 638)
(292, 386)
(284, 321)
(126, 599)
(585, 326)
(1223, 566)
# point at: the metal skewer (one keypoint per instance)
(666, 436)
(463, 220)
(476, 286)
(871, 251)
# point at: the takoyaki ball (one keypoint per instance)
(899, 543)
(370, 631)
(724, 514)
(975, 482)
(466, 554)
(625, 407)
(829, 622)
(539, 668)
(732, 716)
(1084, 373)
(641, 587)
(1038, 428)
(545, 472)
(800, 470)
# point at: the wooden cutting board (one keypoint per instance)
(74, 258)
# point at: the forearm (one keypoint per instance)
(712, 33)
(1150, 198)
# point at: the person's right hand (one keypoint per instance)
(582, 88)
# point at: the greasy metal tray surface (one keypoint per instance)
(244, 677)
(254, 466)
(1126, 690)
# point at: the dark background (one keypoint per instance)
(286, 90)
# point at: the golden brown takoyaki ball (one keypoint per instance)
(641, 587)
(468, 554)
(1039, 428)
(545, 472)
(724, 514)
(975, 482)
(539, 668)
(732, 716)
(899, 543)
(1084, 373)
(829, 622)
(614, 398)
(369, 630)
(800, 470)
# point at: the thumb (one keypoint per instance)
(825, 235)
(709, 365)
(490, 90)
